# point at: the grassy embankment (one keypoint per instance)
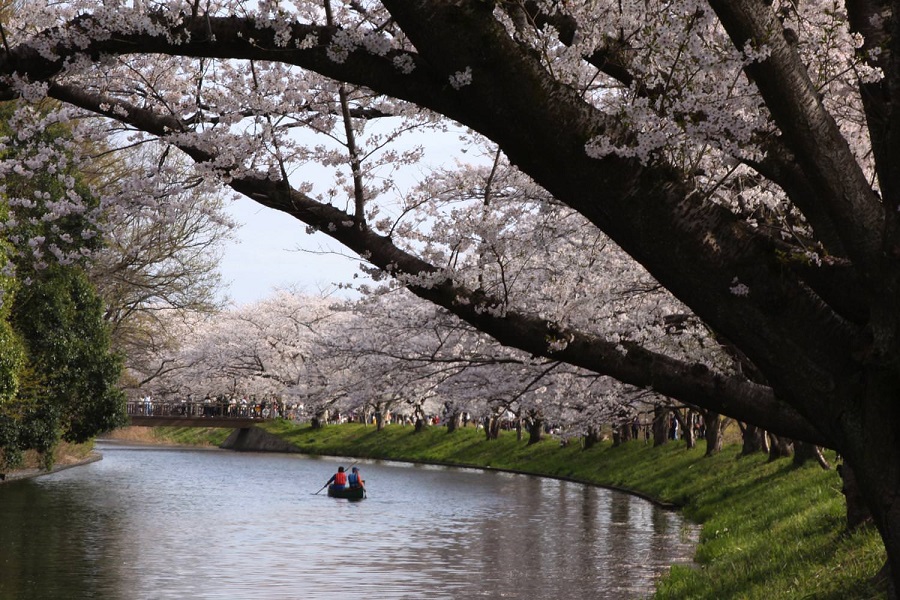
(63, 455)
(770, 530)
(188, 436)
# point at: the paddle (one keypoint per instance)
(323, 487)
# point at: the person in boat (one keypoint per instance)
(355, 480)
(339, 480)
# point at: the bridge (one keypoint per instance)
(152, 413)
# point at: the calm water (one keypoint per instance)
(159, 523)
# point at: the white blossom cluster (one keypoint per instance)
(460, 79)
(38, 221)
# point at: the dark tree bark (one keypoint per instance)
(858, 513)
(320, 419)
(621, 433)
(780, 447)
(754, 439)
(660, 426)
(591, 437)
(535, 430)
(491, 427)
(453, 421)
(616, 436)
(804, 453)
(714, 439)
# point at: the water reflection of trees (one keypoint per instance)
(71, 534)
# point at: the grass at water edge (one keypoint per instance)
(769, 529)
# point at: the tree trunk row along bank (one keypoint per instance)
(770, 529)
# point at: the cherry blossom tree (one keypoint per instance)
(743, 152)
(159, 263)
(260, 349)
(513, 242)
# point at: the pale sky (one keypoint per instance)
(268, 250)
(267, 254)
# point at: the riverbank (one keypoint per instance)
(66, 456)
(770, 530)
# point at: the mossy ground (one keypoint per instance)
(770, 530)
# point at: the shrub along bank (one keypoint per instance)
(770, 530)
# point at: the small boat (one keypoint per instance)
(357, 493)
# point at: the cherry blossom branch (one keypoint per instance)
(687, 382)
(653, 196)
(809, 130)
(628, 362)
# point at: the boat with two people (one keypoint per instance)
(349, 486)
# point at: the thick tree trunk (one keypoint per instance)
(713, 429)
(871, 462)
(779, 447)
(690, 434)
(804, 452)
(319, 420)
(420, 420)
(621, 433)
(858, 513)
(591, 437)
(535, 429)
(660, 426)
(885, 517)
(379, 420)
(754, 440)
(492, 427)
(453, 421)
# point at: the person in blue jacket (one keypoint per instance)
(355, 480)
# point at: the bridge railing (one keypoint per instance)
(221, 410)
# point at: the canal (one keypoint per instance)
(150, 522)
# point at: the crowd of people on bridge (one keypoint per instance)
(228, 406)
